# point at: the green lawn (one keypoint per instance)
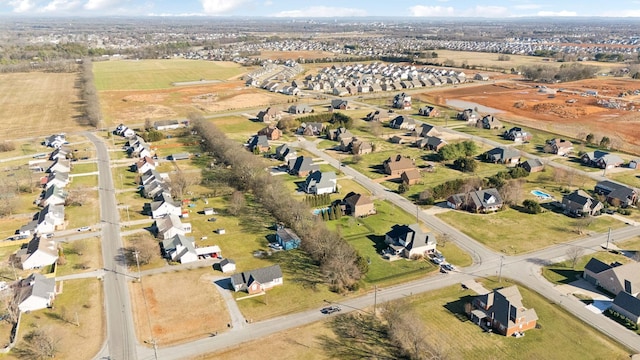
(84, 181)
(81, 256)
(629, 177)
(87, 214)
(159, 74)
(563, 273)
(237, 125)
(513, 232)
(77, 168)
(561, 335)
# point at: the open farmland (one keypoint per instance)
(566, 113)
(31, 104)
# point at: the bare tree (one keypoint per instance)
(146, 247)
(237, 203)
(375, 128)
(574, 253)
(38, 344)
(77, 196)
(181, 181)
(582, 224)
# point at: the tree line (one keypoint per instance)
(566, 72)
(89, 94)
(342, 266)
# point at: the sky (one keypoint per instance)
(325, 8)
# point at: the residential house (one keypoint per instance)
(409, 241)
(339, 134)
(428, 130)
(55, 141)
(517, 134)
(62, 152)
(145, 164)
(489, 122)
(271, 132)
(165, 205)
(339, 91)
(579, 203)
(469, 115)
(432, 143)
(398, 164)
(411, 177)
(302, 166)
(50, 219)
(162, 125)
(300, 109)
(58, 179)
(60, 165)
(152, 175)
(38, 252)
(285, 153)
(481, 77)
(310, 129)
(35, 292)
(558, 146)
(480, 201)
(153, 189)
(628, 306)
(179, 248)
(601, 159)
(502, 310)
(397, 139)
(225, 265)
(358, 205)
(402, 101)
(377, 115)
(258, 280)
(169, 226)
(403, 122)
(287, 238)
(269, 115)
(613, 279)
(338, 104)
(429, 111)
(359, 147)
(503, 155)
(258, 143)
(124, 131)
(53, 196)
(617, 194)
(319, 183)
(532, 165)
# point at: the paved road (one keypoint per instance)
(121, 341)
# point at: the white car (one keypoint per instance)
(84, 228)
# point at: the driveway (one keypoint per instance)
(582, 287)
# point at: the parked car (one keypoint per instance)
(437, 260)
(211, 219)
(48, 236)
(448, 267)
(84, 228)
(330, 309)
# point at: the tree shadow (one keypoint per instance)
(569, 275)
(359, 336)
(378, 168)
(300, 268)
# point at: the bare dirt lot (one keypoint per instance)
(187, 309)
(561, 108)
(135, 106)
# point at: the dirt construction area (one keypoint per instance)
(604, 107)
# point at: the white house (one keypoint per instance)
(225, 265)
(60, 165)
(50, 218)
(40, 252)
(319, 183)
(161, 125)
(170, 225)
(53, 196)
(59, 179)
(145, 164)
(165, 206)
(179, 248)
(55, 141)
(35, 292)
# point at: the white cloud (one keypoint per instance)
(486, 11)
(322, 11)
(100, 4)
(421, 10)
(527, 7)
(557, 13)
(219, 7)
(20, 6)
(60, 5)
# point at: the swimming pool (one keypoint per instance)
(541, 194)
(319, 211)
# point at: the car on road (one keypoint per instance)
(330, 309)
(448, 267)
(48, 236)
(84, 228)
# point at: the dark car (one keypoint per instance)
(447, 267)
(330, 309)
(211, 219)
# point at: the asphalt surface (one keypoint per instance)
(121, 341)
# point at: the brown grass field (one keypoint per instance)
(167, 295)
(36, 103)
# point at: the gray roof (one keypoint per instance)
(171, 243)
(321, 180)
(302, 164)
(262, 275)
(502, 153)
(286, 234)
(628, 302)
(596, 266)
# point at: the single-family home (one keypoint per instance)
(579, 203)
(411, 177)
(38, 252)
(35, 292)
(517, 134)
(62, 152)
(428, 130)
(601, 159)
(58, 179)
(257, 280)
(617, 194)
(258, 143)
(359, 147)
(271, 132)
(339, 134)
(287, 238)
(402, 101)
(627, 305)
(162, 125)
(481, 77)
(429, 111)
(358, 205)
(152, 175)
(503, 155)
(165, 205)
(269, 115)
(558, 146)
(300, 109)
(170, 225)
(153, 189)
(614, 279)
(398, 164)
(468, 115)
(55, 141)
(432, 143)
(225, 265)
(489, 122)
(502, 311)
(302, 166)
(285, 153)
(145, 164)
(53, 196)
(310, 129)
(321, 182)
(409, 241)
(179, 248)
(60, 165)
(377, 115)
(50, 219)
(339, 104)
(403, 122)
(480, 201)
(532, 165)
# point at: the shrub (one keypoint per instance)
(7, 146)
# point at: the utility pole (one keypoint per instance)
(138, 264)
(500, 273)
(608, 238)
